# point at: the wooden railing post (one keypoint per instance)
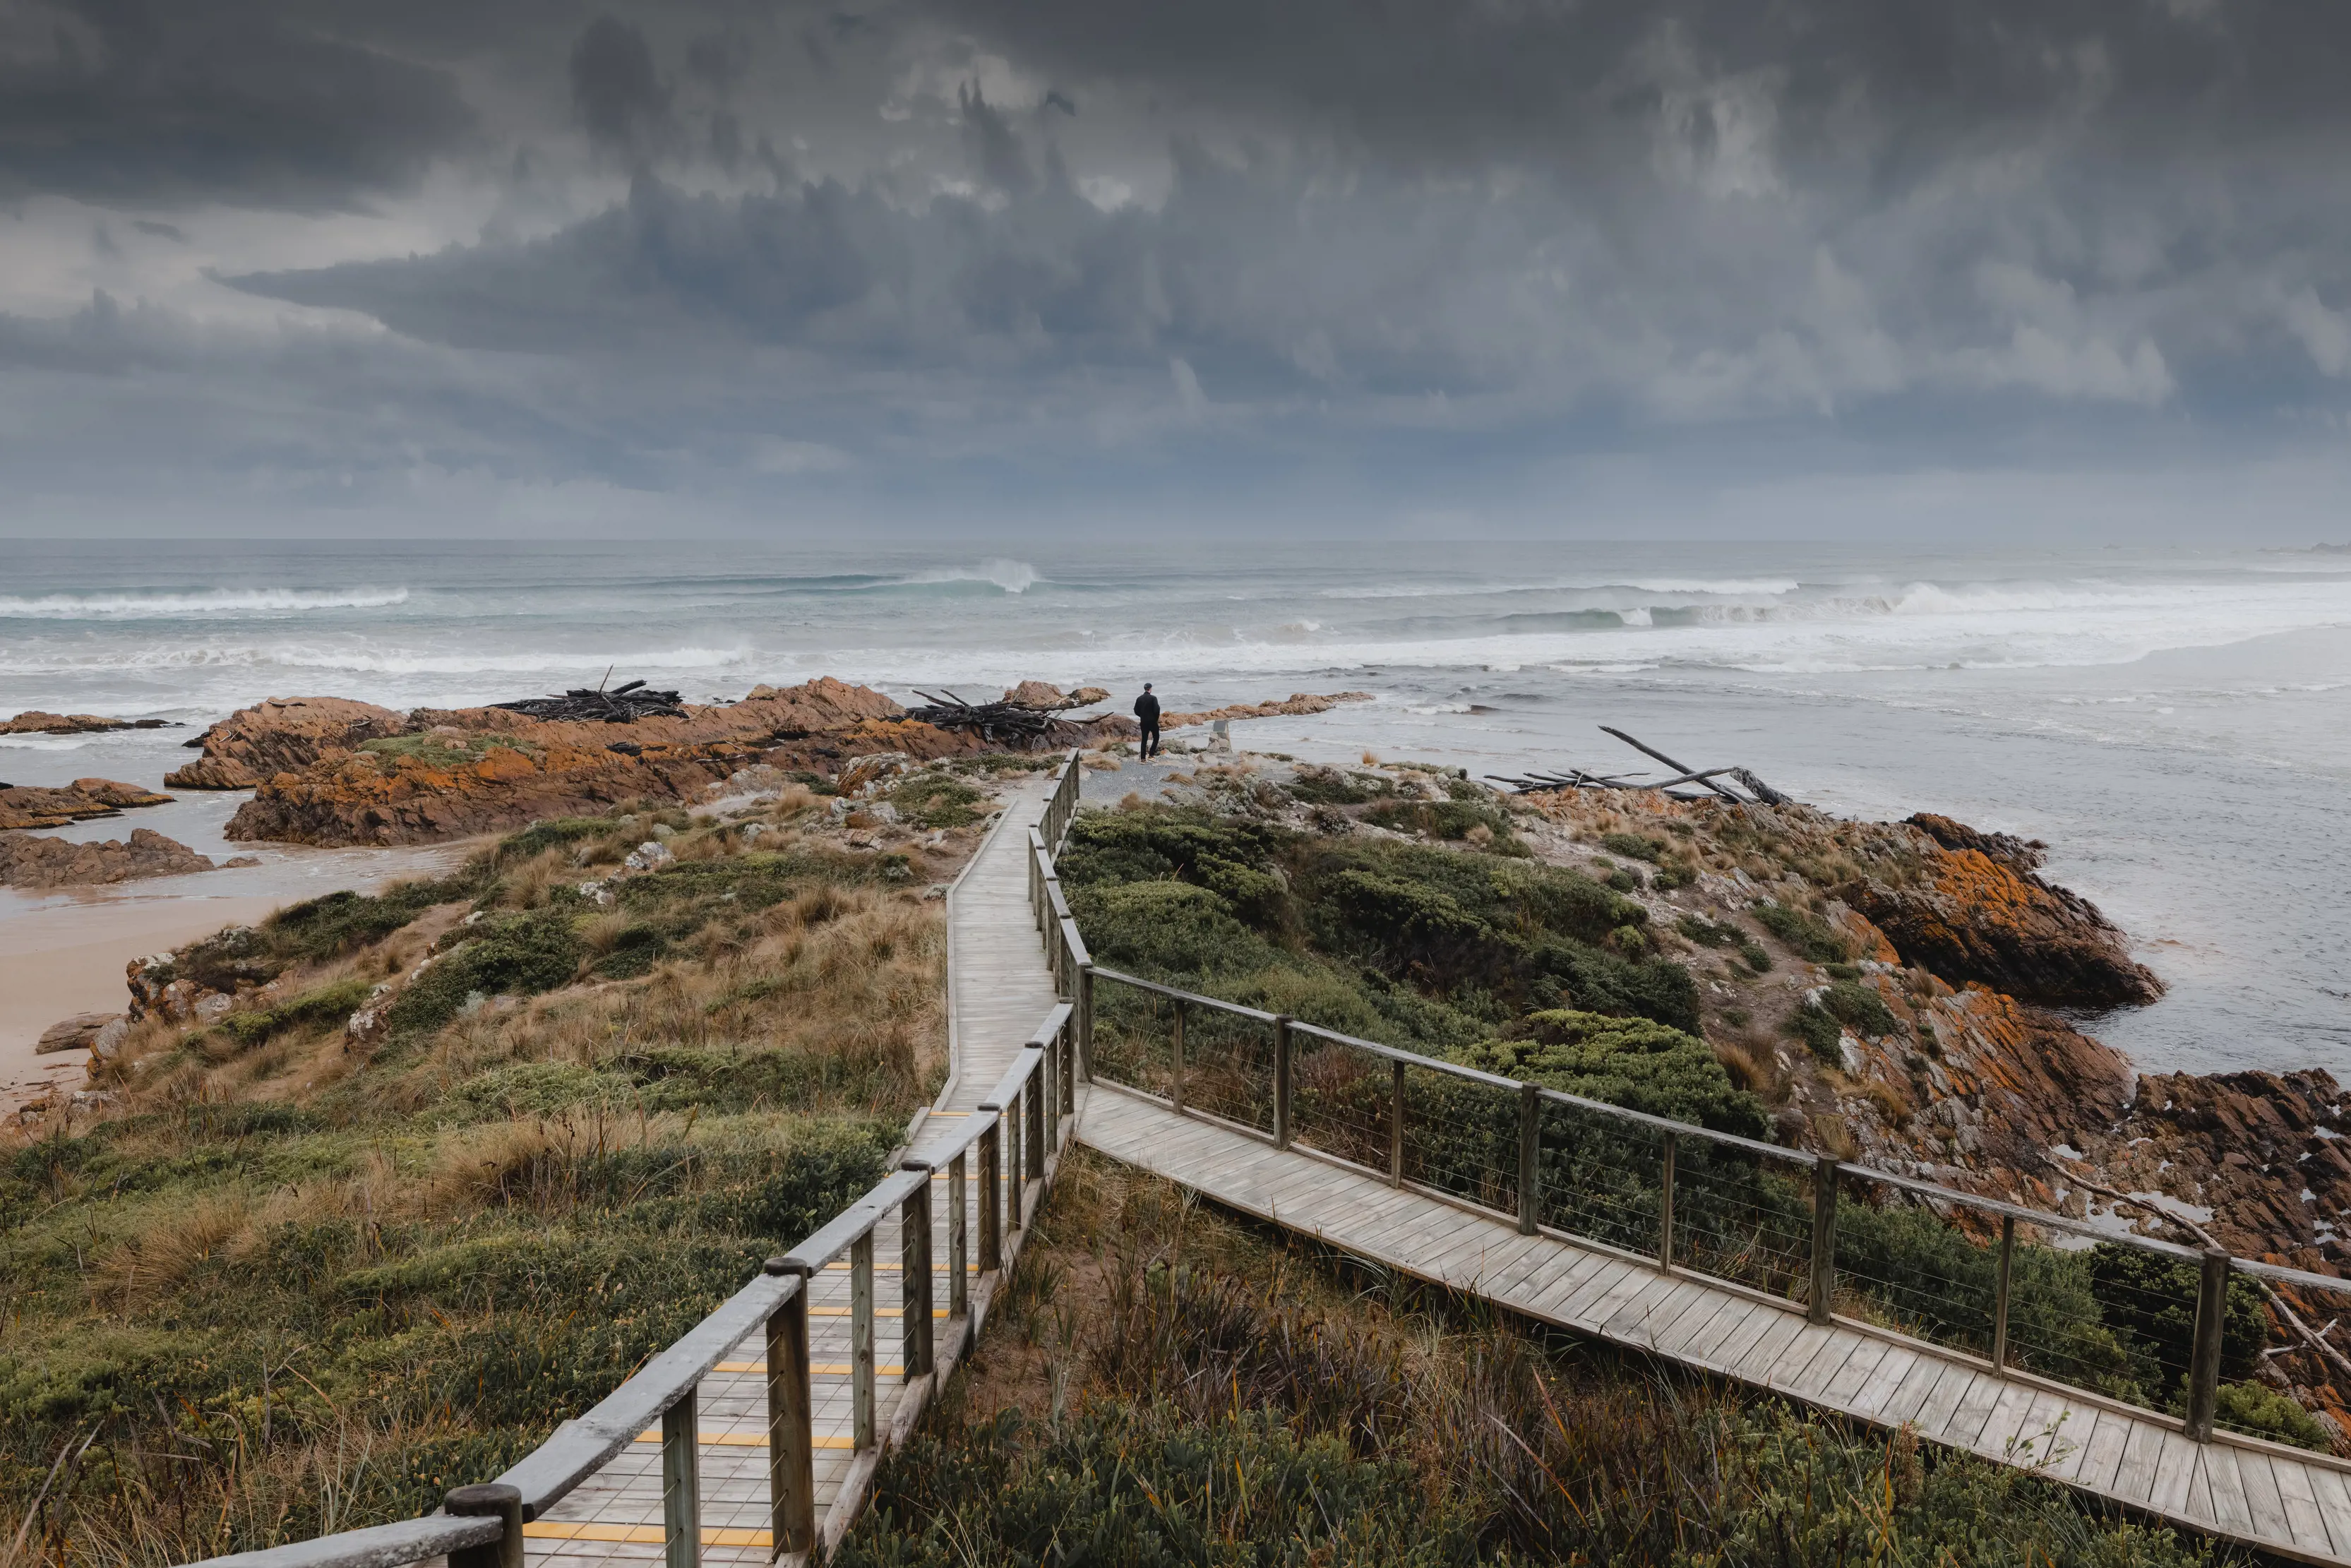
(1083, 1021)
(991, 1196)
(1073, 1069)
(860, 1340)
(959, 1235)
(1999, 1293)
(1175, 1062)
(1665, 1208)
(1825, 1199)
(680, 1462)
(914, 1290)
(1038, 1149)
(489, 1499)
(791, 1420)
(1395, 1128)
(2204, 1366)
(1529, 1173)
(1010, 1122)
(1281, 1083)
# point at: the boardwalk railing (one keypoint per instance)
(2013, 1289)
(1010, 1146)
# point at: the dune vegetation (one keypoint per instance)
(461, 1155)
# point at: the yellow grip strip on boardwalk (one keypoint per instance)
(741, 1439)
(817, 1368)
(635, 1534)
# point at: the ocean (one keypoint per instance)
(2172, 722)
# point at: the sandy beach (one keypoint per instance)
(70, 960)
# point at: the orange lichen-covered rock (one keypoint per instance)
(459, 772)
(1985, 919)
(281, 735)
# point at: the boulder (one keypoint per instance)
(28, 861)
(78, 1032)
(282, 734)
(28, 806)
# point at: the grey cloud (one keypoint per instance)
(619, 96)
(147, 101)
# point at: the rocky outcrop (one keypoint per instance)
(27, 862)
(28, 806)
(1992, 920)
(281, 735)
(459, 772)
(32, 721)
(2263, 1152)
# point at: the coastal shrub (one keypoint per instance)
(1919, 1273)
(937, 801)
(1851, 1002)
(1451, 820)
(1819, 1030)
(1633, 846)
(2265, 1412)
(2151, 1299)
(1623, 879)
(1755, 955)
(1635, 1062)
(326, 1004)
(1168, 929)
(342, 923)
(505, 955)
(1812, 940)
(1337, 786)
(540, 837)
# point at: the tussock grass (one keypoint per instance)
(293, 1281)
(1165, 1383)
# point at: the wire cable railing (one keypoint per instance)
(2009, 1288)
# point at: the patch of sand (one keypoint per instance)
(70, 960)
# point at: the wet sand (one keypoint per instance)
(69, 959)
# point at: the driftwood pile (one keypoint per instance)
(1010, 723)
(621, 704)
(1711, 778)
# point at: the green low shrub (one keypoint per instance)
(1811, 939)
(1633, 846)
(937, 801)
(1851, 1002)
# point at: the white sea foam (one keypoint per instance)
(184, 606)
(1012, 576)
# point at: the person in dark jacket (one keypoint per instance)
(1147, 712)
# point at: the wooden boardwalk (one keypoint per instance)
(2279, 1498)
(999, 987)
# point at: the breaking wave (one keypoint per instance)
(184, 606)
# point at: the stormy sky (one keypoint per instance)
(1786, 267)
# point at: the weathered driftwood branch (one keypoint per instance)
(2293, 1319)
(1578, 779)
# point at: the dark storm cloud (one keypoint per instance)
(1474, 233)
(145, 100)
(619, 95)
